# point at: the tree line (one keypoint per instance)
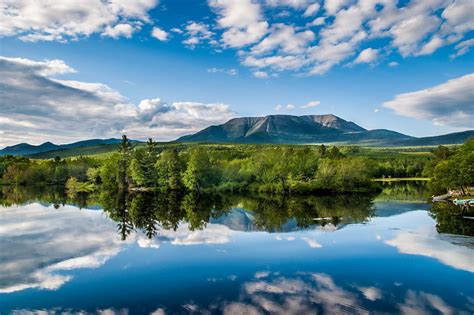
(261, 168)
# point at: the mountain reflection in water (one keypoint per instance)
(176, 253)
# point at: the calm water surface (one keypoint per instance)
(144, 254)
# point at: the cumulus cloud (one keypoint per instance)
(242, 21)
(119, 30)
(74, 110)
(463, 48)
(260, 74)
(447, 104)
(285, 38)
(62, 21)
(295, 4)
(414, 28)
(159, 34)
(312, 9)
(198, 33)
(367, 55)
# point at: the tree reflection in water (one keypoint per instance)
(151, 212)
(449, 219)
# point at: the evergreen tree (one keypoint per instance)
(125, 151)
(169, 170)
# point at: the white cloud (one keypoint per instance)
(231, 72)
(242, 20)
(317, 21)
(295, 4)
(278, 107)
(65, 20)
(459, 17)
(393, 64)
(198, 33)
(277, 63)
(409, 33)
(311, 104)
(431, 46)
(312, 9)
(119, 30)
(448, 104)
(290, 106)
(333, 6)
(413, 29)
(159, 34)
(74, 110)
(285, 38)
(260, 74)
(463, 48)
(176, 30)
(367, 55)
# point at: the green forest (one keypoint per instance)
(278, 169)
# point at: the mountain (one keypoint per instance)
(276, 129)
(291, 129)
(28, 149)
(312, 129)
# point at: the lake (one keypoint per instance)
(231, 254)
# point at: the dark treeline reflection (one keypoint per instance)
(150, 212)
(450, 221)
(404, 191)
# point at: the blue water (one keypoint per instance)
(393, 261)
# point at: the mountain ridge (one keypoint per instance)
(30, 149)
(312, 129)
(271, 129)
(287, 129)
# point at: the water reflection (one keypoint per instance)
(39, 241)
(213, 254)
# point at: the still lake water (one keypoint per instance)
(143, 254)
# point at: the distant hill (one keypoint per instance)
(28, 149)
(450, 138)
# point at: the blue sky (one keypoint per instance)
(168, 68)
